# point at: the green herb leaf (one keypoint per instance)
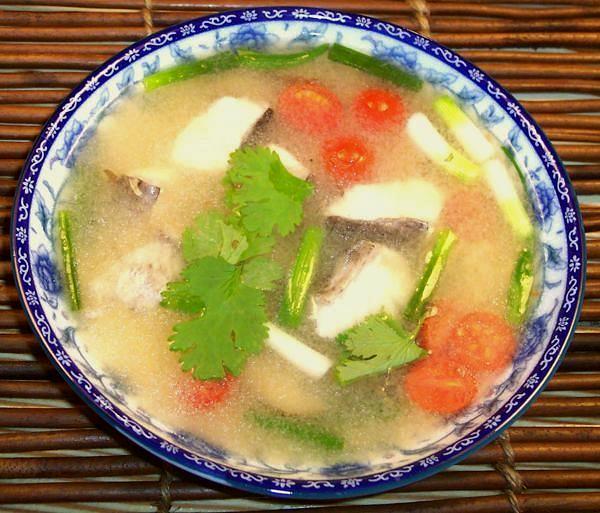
(231, 328)
(210, 235)
(265, 194)
(180, 297)
(261, 273)
(373, 347)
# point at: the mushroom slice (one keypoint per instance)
(369, 278)
(393, 232)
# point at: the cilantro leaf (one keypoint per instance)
(373, 347)
(179, 296)
(266, 195)
(231, 327)
(210, 235)
(261, 273)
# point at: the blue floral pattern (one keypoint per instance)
(544, 339)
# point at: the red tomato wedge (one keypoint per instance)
(347, 159)
(310, 107)
(201, 395)
(482, 342)
(437, 329)
(379, 109)
(462, 208)
(440, 386)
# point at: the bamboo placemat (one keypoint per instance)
(57, 456)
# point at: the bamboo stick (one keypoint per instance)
(113, 491)
(543, 434)
(18, 343)
(561, 106)
(593, 247)
(24, 441)
(568, 121)
(45, 417)
(581, 362)
(565, 85)
(578, 152)
(501, 70)
(573, 135)
(40, 79)
(87, 61)
(568, 382)
(14, 149)
(586, 338)
(530, 57)
(18, 369)
(27, 132)
(78, 466)
(451, 8)
(24, 114)
(586, 186)
(550, 406)
(34, 389)
(12, 318)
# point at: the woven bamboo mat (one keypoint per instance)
(57, 456)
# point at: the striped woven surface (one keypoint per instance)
(55, 455)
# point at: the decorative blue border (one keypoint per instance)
(253, 482)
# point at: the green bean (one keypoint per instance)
(374, 66)
(220, 62)
(435, 263)
(301, 277)
(521, 284)
(258, 60)
(299, 430)
(68, 257)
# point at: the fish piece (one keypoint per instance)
(370, 279)
(291, 163)
(135, 186)
(258, 129)
(206, 142)
(138, 278)
(347, 269)
(393, 232)
(414, 198)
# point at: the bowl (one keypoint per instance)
(545, 337)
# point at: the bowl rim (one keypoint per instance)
(246, 480)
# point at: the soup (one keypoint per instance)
(302, 259)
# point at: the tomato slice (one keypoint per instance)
(465, 206)
(310, 107)
(347, 159)
(204, 394)
(441, 386)
(379, 109)
(482, 342)
(437, 329)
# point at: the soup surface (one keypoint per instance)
(344, 284)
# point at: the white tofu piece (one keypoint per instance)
(138, 278)
(414, 198)
(291, 163)
(303, 357)
(206, 142)
(384, 282)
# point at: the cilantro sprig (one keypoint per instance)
(373, 347)
(222, 288)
